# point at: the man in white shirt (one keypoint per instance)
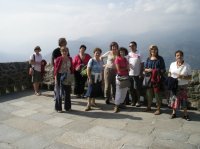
(136, 67)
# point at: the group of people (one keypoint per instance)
(116, 73)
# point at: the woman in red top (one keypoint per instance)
(122, 67)
(63, 69)
(80, 60)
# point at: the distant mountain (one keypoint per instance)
(167, 41)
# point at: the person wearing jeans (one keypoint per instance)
(62, 70)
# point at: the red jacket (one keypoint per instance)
(58, 63)
(156, 80)
(77, 60)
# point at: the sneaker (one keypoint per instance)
(186, 117)
(116, 109)
(173, 116)
(137, 104)
(133, 104)
(67, 110)
(59, 111)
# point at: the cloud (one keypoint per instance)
(35, 22)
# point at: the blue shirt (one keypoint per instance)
(155, 64)
(96, 66)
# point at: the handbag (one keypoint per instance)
(123, 81)
(31, 69)
(174, 102)
(147, 80)
(84, 71)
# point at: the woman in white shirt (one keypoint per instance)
(36, 62)
(181, 71)
(110, 72)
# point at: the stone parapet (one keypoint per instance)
(14, 77)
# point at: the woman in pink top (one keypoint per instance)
(80, 60)
(122, 67)
(63, 69)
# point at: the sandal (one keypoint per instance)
(88, 108)
(94, 105)
(147, 110)
(157, 112)
(173, 116)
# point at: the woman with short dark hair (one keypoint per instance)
(122, 68)
(181, 71)
(36, 63)
(79, 61)
(95, 78)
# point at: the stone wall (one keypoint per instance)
(14, 77)
(194, 90)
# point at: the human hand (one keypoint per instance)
(148, 70)
(78, 68)
(90, 80)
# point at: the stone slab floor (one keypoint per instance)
(30, 122)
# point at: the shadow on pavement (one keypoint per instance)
(103, 115)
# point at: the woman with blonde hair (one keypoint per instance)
(155, 67)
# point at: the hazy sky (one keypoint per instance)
(27, 23)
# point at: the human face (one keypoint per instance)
(179, 57)
(63, 44)
(153, 52)
(82, 50)
(114, 49)
(97, 54)
(37, 51)
(64, 52)
(122, 53)
(133, 47)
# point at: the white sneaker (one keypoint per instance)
(137, 104)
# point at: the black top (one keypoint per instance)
(56, 53)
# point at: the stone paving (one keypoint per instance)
(30, 122)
